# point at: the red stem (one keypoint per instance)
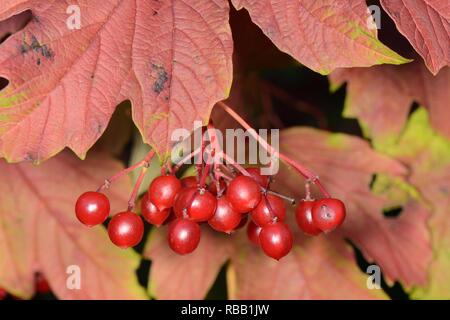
(134, 193)
(118, 175)
(301, 169)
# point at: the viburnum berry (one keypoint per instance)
(188, 182)
(269, 208)
(151, 214)
(213, 187)
(255, 173)
(42, 285)
(225, 218)
(244, 220)
(276, 240)
(126, 229)
(253, 232)
(328, 213)
(195, 204)
(243, 193)
(303, 216)
(183, 236)
(92, 208)
(162, 191)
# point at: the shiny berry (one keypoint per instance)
(126, 229)
(213, 187)
(92, 208)
(276, 240)
(328, 214)
(255, 173)
(269, 208)
(226, 218)
(188, 182)
(162, 191)
(150, 212)
(253, 232)
(303, 216)
(183, 236)
(243, 193)
(195, 204)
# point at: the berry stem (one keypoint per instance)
(282, 196)
(301, 169)
(120, 174)
(137, 185)
(185, 159)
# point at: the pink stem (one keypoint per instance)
(134, 193)
(125, 171)
(301, 169)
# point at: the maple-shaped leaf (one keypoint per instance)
(315, 269)
(381, 97)
(426, 24)
(322, 35)
(172, 59)
(346, 164)
(427, 153)
(40, 233)
(185, 277)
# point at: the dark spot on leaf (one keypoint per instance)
(92, 76)
(155, 12)
(31, 157)
(38, 61)
(166, 98)
(37, 47)
(161, 78)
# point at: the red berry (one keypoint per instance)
(244, 220)
(226, 218)
(253, 232)
(276, 240)
(3, 293)
(126, 229)
(255, 173)
(151, 213)
(243, 193)
(92, 208)
(184, 236)
(42, 285)
(213, 186)
(328, 214)
(162, 191)
(198, 204)
(303, 216)
(269, 208)
(188, 182)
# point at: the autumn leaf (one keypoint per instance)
(39, 231)
(322, 35)
(381, 97)
(427, 154)
(426, 24)
(172, 59)
(185, 277)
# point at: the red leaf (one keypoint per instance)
(426, 24)
(185, 277)
(315, 269)
(172, 59)
(39, 231)
(381, 97)
(322, 35)
(346, 164)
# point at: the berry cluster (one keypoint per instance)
(222, 194)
